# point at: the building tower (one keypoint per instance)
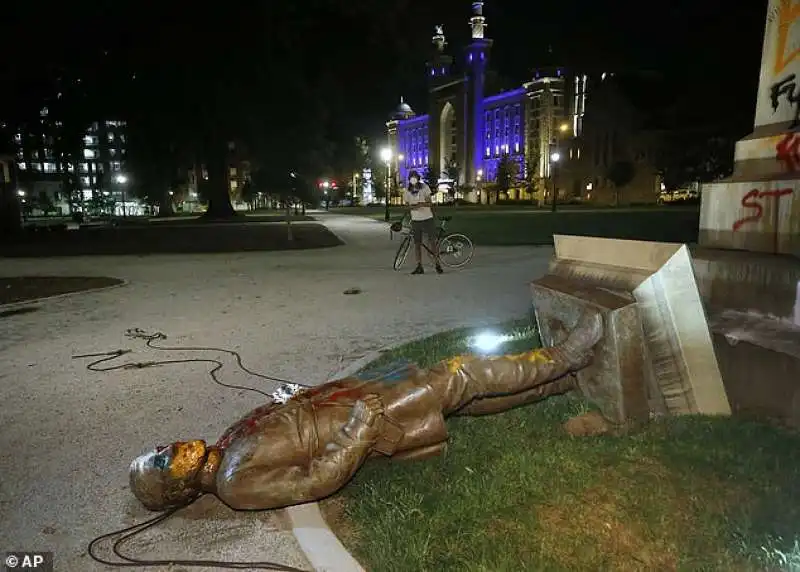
(477, 54)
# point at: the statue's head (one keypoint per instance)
(170, 476)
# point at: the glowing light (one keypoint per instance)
(386, 154)
(564, 127)
(589, 186)
(21, 193)
(663, 187)
(555, 157)
(122, 179)
(488, 341)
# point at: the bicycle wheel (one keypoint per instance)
(455, 250)
(402, 252)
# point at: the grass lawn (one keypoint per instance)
(515, 492)
(26, 288)
(166, 238)
(507, 226)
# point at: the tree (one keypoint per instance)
(248, 194)
(506, 174)
(620, 173)
(453, 172)
(431, 179)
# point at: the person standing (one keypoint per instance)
(419, 200)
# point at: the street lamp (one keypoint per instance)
(386, 157)
(121, 180)
(554, 159)
(326, 185)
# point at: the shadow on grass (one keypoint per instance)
(515, 492)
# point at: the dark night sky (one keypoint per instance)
(352, 59)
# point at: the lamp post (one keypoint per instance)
(554, 159)
(121, 180)
(386, 156)
(326, 185)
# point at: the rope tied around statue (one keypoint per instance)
(284, 392)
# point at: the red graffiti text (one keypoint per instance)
(749, 201)
(788, 151)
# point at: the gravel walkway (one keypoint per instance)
(69, 434)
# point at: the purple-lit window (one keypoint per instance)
(470, 58)
(483, 56)
(442, 70)
(433, 71)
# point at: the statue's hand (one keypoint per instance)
(362, 424)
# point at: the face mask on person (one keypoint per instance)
(414, 180)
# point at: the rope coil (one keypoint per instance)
(287, 389)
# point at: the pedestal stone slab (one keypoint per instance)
(755, 209)
(757, 216)
(615, 381)
(767, 284)
(679, 353)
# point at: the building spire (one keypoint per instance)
(477, 22)
(438, 38)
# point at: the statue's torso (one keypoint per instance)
(299, 430)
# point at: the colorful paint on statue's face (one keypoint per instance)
(168, 476)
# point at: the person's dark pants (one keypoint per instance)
(428, 228)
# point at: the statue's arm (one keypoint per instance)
(270, 487)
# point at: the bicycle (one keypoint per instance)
(455, 250)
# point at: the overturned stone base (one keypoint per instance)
(614, 379)
(649, 292)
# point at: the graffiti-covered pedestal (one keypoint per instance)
(758, 209)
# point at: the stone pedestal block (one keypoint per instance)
(760, 216)
(615, 379)
(679, 353)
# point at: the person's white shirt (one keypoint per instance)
(422, 196)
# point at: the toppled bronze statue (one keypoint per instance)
(309, 447)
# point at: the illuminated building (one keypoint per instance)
(467, 131)
(40, 152)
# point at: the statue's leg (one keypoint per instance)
(492, 405)
(466, 379)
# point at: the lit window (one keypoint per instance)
(233, 171)
(112, 152)
(234, 185)
(18, 138)
(20, 155)
(87, 194)
(84, 167)
(110, 137)
(89, 154)
(516, 147)
(85, 181)
(22, 166)
(496, 150)
(36, 166)
(49, 167)
(115, 166)
(70, 168)
(488, 151)
(90, 140)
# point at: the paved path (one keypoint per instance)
(69, 435)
